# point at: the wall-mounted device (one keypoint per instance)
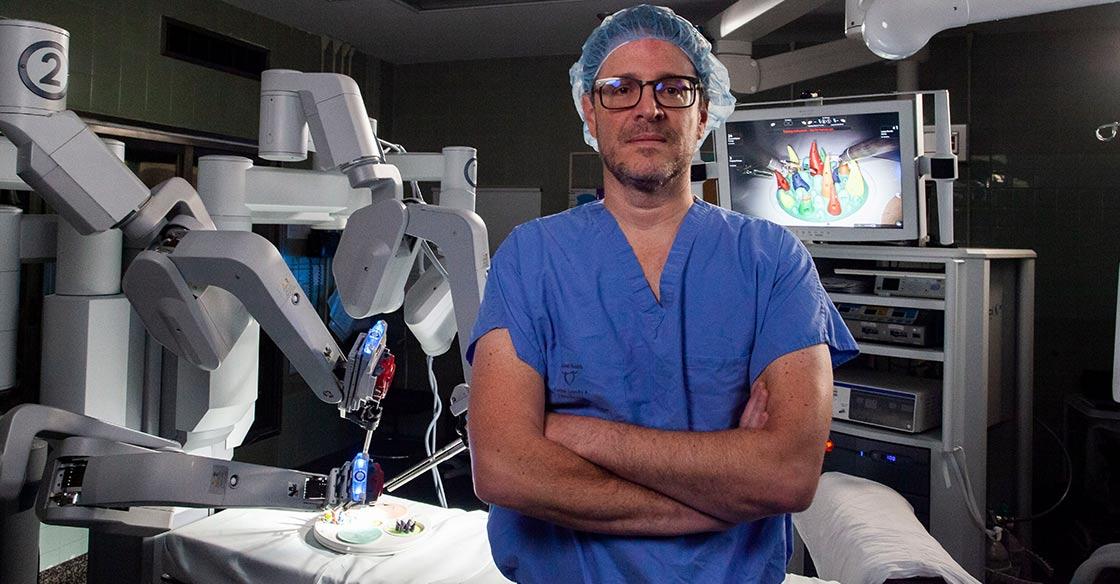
(897, 402)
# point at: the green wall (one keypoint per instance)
(518, 113)
(116, 68)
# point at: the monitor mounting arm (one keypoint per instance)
(875, 29)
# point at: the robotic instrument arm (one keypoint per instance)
(193, 287)
(380, 243)
(90, 479)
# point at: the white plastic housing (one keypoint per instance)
(327, 104)
(34, 62)
(373, 261)
(283, 130)
(429, 314)
(9, 292)
(896, 30)
(459, 180)
(69, 166)
(221, 186)
(93, 357)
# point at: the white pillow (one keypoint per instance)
(862, 532)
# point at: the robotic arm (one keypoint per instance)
(90, 478)
(330, 107)
(380, 243)
(379, 246)
(193, 287)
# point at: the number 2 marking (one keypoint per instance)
(49, 78)
(51, 86)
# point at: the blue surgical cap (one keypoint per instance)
(653, 22)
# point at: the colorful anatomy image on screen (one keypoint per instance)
(836, 171)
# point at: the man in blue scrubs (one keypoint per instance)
(652, 375)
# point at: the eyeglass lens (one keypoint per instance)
(624, 92)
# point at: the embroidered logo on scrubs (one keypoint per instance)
(570, 371)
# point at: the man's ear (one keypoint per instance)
(589, 114)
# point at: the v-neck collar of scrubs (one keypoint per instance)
(671, 274)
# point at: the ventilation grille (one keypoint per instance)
(197, 45)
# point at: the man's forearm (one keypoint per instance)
(516, 467)
(735, 475)
(542, 479)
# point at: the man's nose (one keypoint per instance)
(648, 107)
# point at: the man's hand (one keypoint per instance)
(754, 415)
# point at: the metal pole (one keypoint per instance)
(446, 453)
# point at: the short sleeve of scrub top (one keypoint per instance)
(797, 312)
(506, 304)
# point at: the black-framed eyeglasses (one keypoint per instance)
(617, 93)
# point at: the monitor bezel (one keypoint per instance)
(912, 190)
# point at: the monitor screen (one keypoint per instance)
(837, 172)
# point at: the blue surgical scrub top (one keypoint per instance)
(736, 293)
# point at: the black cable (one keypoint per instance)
(1069, 481)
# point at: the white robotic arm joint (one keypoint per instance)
(70, 167)
(330, 107)
(172, 202)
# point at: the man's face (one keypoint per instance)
(648, 145)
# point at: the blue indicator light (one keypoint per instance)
(373, 337)
(861, 453)
(358, 478)
(892, 458)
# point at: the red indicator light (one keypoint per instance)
(828, 446)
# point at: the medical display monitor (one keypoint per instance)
(839, 172)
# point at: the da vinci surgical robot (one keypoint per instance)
(195, 289)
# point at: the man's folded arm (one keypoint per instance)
(735, 475)
(516, 467)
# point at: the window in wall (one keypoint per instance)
(207, 48)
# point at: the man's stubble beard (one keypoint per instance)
(652, 181)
